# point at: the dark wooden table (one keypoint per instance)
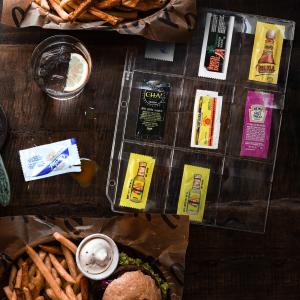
(221, 264)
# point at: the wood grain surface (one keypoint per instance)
(221, 264)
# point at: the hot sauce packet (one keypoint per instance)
(193, 192)
(137, 181)
(266, 54)
(257, 124)
(216, 46)
(206, 120)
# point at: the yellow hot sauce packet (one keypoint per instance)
(266, 54)
(137, 181)
(193, 192)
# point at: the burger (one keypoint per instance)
(134, 279)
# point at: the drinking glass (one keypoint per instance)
(61, 66)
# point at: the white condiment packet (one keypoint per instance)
(50, 160)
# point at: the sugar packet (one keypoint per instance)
(50, 160)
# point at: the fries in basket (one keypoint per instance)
(47, 272)
(109, 11)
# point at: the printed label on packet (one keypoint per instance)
(193, 192)
(206, 120)
(216, 46)
(257, 124)
(137, 181)
(152, 110)
(266, 54)
(50, 160)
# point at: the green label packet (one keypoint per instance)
(193, 192)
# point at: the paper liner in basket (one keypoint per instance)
(175, 22)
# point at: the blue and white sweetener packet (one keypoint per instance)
(50, 160)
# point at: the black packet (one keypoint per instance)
(152, 110)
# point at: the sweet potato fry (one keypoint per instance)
(70, 293)
(25, 276)
(51, 249)
(79, 10)
(61, 271)
(46, 273)
(27, 293)
(64, 241)
(18, 283)
(84, 286)
(39, 298)
(14, 296)
(59, 10)
(107, 4)
(8, 292)
(12, 277)
(70, 261)
(104, 16)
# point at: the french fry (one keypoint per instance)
(48, 262)
(79, 10)
(51, 249)
(12, 276)
(59, 293)
(84, 287)
(20, 261)
(25, 275)
(38, 283)
(128, 15)
(27, 294)
(45, 5)
(64, 264)
(18, 283)
(51, 294)
(63, 3)
(104, 16)
(65, 242)
(79, 297)
(59, 10)
(107, 4)
(61, 271)
(70, 293)
(84, 17)
(78, 278)
(56, 277)
(14, 296)
(8, 292)
(32, 271)
(42, 254)
(54, 18)
(39, 298)
(70, 261)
